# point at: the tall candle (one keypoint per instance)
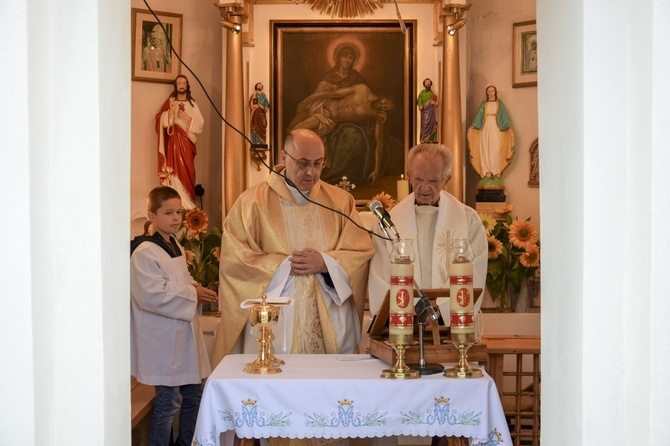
(403, 187)
(461, 302)
(401, 304)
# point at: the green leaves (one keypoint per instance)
(506, 269)
(204, 267)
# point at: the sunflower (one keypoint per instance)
(216, 252)
(489, 223)
(495, 247)
(523, 234)
(190, 257)
(531, 258)
(386, 200)
(505, 210)
(196, 221)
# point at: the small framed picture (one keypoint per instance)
(154, 42)
(524, 58)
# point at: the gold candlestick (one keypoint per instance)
(463, 369)
(264, 317)
(400, 370)
(401, 308)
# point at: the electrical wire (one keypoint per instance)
(254, 146)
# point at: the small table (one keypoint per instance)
(343, 396)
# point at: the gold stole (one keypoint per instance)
(312, 329)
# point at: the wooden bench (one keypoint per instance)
(142, 403)
(521, 398)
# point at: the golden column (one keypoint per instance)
(452, 126)
(235, 150)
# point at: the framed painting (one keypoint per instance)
(524, 57)
(353, 84)
(154, 44)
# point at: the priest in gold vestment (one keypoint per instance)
(277, 242)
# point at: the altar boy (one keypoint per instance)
(167, 347)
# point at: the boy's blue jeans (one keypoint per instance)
(166, 406)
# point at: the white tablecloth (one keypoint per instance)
(337, 396)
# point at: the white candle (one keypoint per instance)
(401, 303)
(461, 301)
(403, 187)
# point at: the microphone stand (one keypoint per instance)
(421, 308)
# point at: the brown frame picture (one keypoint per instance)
(153, 46)
(524, 56)
(339, 78)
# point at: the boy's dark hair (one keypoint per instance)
(158, 196)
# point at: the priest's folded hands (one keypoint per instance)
(306, 262)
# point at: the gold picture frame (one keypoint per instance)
(524, 57)
(308, 75)
(153, 46)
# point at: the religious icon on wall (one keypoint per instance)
(350, 84)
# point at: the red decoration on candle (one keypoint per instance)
(401, 320)
(462, 319)
(463, 297)
(402, 298)
(402, 280)
(460, 280)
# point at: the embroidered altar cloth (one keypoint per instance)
(338, 396)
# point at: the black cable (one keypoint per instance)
(254, 146)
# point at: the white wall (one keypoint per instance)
(65, 176)
(603, 124)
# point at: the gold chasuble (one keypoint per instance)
(263, 228)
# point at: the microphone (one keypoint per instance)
(384, 218)
(423, 304)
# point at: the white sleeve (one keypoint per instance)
(340, 291)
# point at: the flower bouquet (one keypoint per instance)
(202, 250)
(514, 256)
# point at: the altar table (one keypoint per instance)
(343, 396)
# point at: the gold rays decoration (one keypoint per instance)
(345, 8)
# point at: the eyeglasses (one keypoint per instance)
(303, 164)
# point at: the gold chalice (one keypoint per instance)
(263, 317)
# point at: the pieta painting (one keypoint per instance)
(353, 84)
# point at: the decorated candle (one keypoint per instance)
(403, 188)
(401, 302)
(461, 292)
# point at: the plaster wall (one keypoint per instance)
(201, 51)
(489, 27)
